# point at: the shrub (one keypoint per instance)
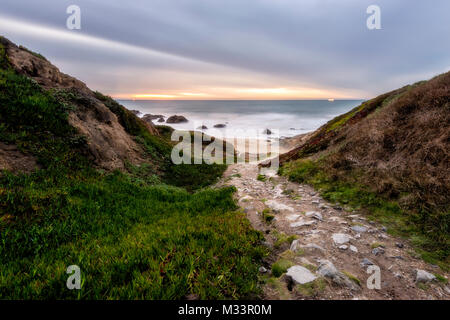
(280, 267)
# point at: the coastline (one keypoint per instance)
(250, 118)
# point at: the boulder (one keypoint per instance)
(203, 127)
(220, 125)
(424, 276)
(300, 275)
(366, 262)
(176, 119)
(340, 238)
(136, 112)
(377, 251)
(294, 245)
(359, 229)
(328, 270)
(267, 131)
(314, 214)
(149, 117)
(302, 223)
(278, 206)
(262, 270)
(161, 120)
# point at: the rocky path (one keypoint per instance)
(321, 251)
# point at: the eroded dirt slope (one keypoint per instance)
(109, 144)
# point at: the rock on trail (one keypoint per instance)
(340, 238)
(300, 275)
(278, 206)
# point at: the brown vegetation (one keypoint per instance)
(397, 145)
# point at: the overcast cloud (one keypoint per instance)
(219, 49)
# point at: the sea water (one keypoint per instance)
(287, 117)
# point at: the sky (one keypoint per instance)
(237, 49)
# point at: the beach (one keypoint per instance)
(246, 120)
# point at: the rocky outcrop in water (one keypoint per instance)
(176, 119)
(148, 117)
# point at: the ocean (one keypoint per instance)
(286, 117)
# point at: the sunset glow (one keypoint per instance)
(153, 96)
(243, 94)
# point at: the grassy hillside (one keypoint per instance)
(389, 157)
(131, 232)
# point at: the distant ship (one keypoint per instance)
(331, 99)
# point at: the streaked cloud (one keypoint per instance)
(202, 49)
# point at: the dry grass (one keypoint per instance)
(404, 148)
(398, 145)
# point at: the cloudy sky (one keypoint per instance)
(237, 49)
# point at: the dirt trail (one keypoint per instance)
(333, 247)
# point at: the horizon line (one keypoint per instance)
(233, 99)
